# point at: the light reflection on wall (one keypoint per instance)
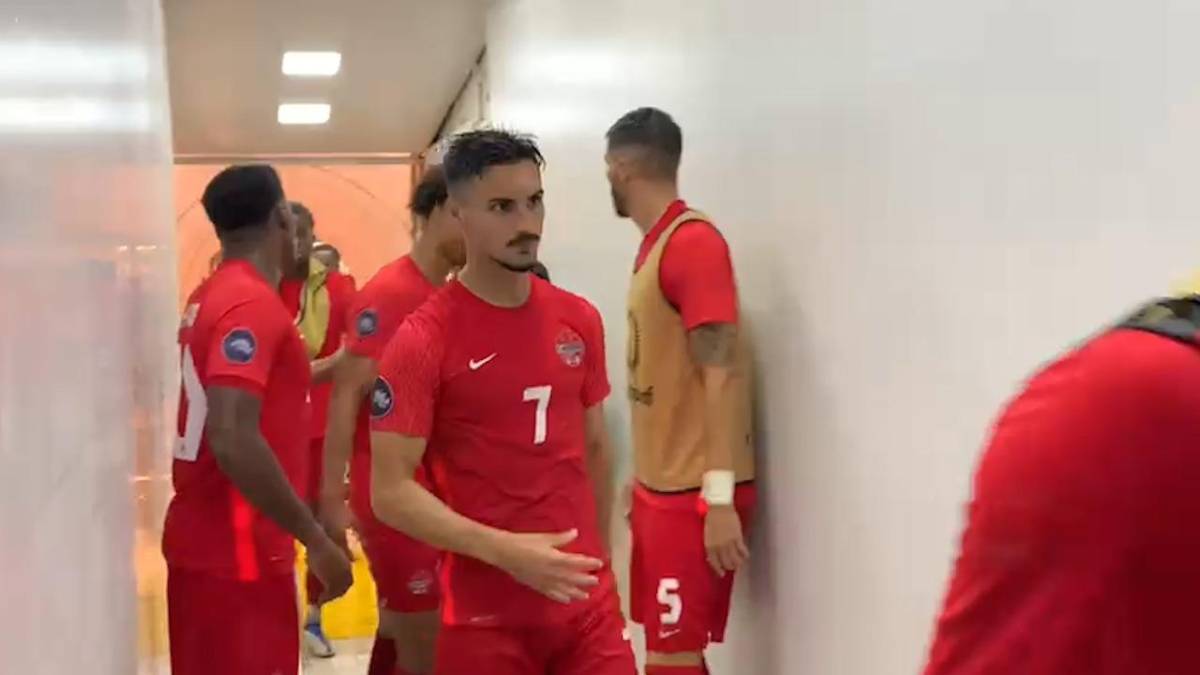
(87, 291)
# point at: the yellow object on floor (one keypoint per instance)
(355, 614)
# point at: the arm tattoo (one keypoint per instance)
(713, 344)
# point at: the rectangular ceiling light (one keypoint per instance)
(303, 113)
(312, 64)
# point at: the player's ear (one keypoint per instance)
(454, 208)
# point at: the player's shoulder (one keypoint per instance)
(398, 284)
(230, 288)
(429, 321)
(572, 307)
(698, 229)
(342, 282)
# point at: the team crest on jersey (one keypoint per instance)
(239, 346)
(367, 323)
(382, 399)
(570, 348)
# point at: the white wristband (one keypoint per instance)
(717, 489)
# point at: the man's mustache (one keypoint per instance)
(524, 237)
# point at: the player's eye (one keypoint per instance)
(536, 200)
(502, 205)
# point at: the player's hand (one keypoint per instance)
(335, 518)
(536, 561)
(332, 567)
(723, 540)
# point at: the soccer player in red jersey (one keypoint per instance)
(318, 297)
(1080, 553)
(498, 384)
(404, 569)
(689, 392)
(241, 450)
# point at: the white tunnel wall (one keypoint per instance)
(87, 288)
(924, 200)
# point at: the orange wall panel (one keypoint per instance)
(362, 209)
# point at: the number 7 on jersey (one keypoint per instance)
(542, 396)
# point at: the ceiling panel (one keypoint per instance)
(403, 61)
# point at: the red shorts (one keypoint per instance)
(674, 593)
(231, 627)
(593, 643)
(405, 570)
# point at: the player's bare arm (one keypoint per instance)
(353, 376)
(713, 348)
(532, 559)
(599, 460)
(323, 369)
(232, 427)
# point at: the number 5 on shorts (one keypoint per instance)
(668, 597)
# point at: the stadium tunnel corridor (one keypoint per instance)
(923, 200)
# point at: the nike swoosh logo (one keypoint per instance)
(476, 365)
(664, 634)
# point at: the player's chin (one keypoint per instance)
(522, 261)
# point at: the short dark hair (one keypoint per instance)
(472, 153)
(242, 197)
(429, 193)
(302, 212)
(654, 132)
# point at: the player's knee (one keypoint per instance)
(414, 635)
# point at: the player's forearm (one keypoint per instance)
(339, 440)
(407, 506)
(718, 418)
(246, 459)
(323, 369)
(713, 348)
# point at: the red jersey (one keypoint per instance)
(500, 396)
(696, 272)
(341, 293)
(1080, 555)
(235, 333)
(377, 311)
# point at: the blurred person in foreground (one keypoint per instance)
(241, 451)
(689, 389)
(318, 297)
(498, 383)
(405, 570)
(1080, 552)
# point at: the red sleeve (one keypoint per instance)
(341, 297)
(369, 322)
(696, 275)
(596, 387)
(409, 379)
(244, 343)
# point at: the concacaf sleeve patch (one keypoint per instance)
(382, 398)
(239, 346)
(367, 323)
